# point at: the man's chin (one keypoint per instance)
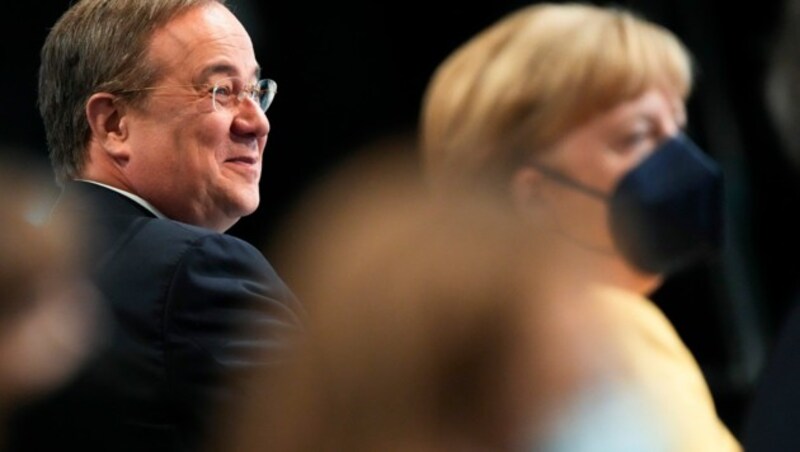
(246, 203)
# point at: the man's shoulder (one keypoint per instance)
(153, 254)
(165, 234)
(125, 246)
(117, 218)
(171, 229)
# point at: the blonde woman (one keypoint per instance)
(573, 113)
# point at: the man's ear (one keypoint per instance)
(109, 129)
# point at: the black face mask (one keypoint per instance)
(665, 213)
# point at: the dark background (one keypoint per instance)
(353, 72)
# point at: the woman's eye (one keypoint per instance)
(638, 137)
(635, 138)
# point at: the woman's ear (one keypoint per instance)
(106, 119)
(526, 188)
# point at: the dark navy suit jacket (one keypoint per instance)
(191, 309)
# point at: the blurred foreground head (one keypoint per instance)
(432, 326)
(783, 81)
(47, 307)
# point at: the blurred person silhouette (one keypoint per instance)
(430, 326)
(573, 113)
(772, 420)
(155, 115)
(50, 316)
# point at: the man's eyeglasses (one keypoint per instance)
(229, 91)
(226, 92)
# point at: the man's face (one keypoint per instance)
(195, 163)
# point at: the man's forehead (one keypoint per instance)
(206, 38)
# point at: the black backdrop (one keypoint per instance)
(353, 72)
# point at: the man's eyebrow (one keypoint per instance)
(216, 69)
(226, 69)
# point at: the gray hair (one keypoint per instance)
(96, 46)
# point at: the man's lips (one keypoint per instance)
(245, 160)
(246, 166)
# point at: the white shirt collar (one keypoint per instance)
(130, 196)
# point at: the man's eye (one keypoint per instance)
(256, 93)
(223, 90)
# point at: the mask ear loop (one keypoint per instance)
(565, 180)
(557, 176)
(594, 193)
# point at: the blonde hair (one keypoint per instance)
(521, 84)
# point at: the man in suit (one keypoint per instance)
(155, 118)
